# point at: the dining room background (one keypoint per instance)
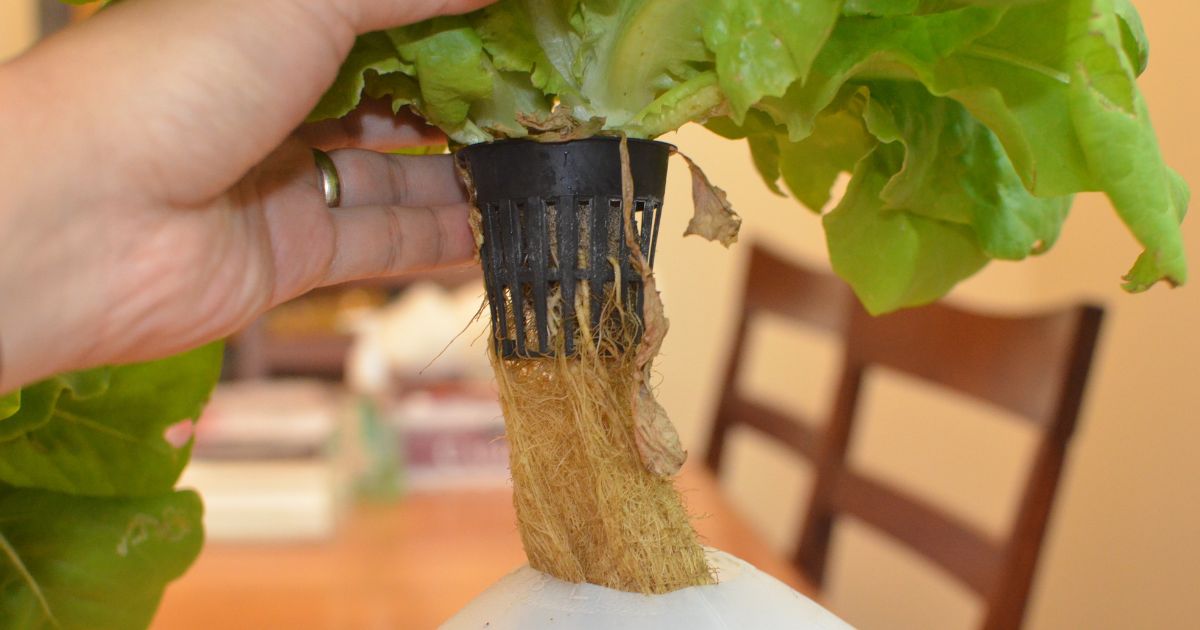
(1124, 541)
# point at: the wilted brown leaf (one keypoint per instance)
(474, 217)
(714, 218)
(559, 126)
(656, 438)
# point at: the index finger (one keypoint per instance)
(388, 240)
(369, 178)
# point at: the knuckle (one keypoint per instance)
(399, 184)
(395, 238)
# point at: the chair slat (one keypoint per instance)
(945, 540)
(1034, 366)
(792, 430)
(778, 286)
(1015, 363)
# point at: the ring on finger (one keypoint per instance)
(330, 183)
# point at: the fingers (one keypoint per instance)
(371, 126)
(387, 240)
(420, 220)
(370, 178)
(371, 15)
(231, 80)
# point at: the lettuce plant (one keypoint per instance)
(966, 125)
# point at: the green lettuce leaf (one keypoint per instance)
(999, 110)
(446, 57)
(9, 404)
(632, 52)
(761, 134)
(1072, 119)
(1133, 35)
(694, 99)
(895, 258)
(401, 89)
(30, 408)
(513, 101)
(1118, 143)
(533, 37)
(762, 47)
(898, 47)
(839, 139)
(952, 183)
(70, 561)
(880, 7)
(372, 53)
(1054, 81)
(955, 170)
(75, 563)
(100, 433)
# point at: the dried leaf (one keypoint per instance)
(656, 438)
(714, 218)
(475, 220)
(559, 126)
(654, 328)
(654, 320)
(631, 239)
(474, 217)
(657, 441)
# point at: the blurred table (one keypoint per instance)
(408, 565)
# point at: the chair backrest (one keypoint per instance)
(1035, 367)
(776, 286)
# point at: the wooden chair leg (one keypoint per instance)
(1008, 605)
(813, 550)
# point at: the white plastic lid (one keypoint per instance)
(743, 598)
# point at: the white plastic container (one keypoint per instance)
(744, 598)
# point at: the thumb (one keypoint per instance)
(373, 15)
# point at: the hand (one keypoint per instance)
(156, 194)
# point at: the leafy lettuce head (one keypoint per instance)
(966, 125)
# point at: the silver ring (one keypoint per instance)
(331, 184)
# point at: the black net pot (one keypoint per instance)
(552, 223)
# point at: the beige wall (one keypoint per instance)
(18, 24)
(1124, 545)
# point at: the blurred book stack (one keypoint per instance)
(267, 462)
(280, 459)
(422, 362)
(451, 439)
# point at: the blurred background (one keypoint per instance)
(1122, 546)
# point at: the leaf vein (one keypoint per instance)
(96, 426)
(980, 51)
(13, 557)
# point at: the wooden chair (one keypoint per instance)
(1035, 367)
(776, 286)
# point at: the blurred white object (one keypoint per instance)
(277, 414)
(744, 598)
(281, 500)
(264, 461)
(426, 334)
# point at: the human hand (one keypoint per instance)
(157, 194)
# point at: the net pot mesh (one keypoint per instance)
(566, 304)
